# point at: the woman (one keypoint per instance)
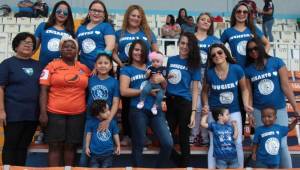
(19, 96)
(268, 78)
(134, 27)
(182, 16)
(205, 36)
(48, 35)
(95, 34)
(183, 70)
(220, 89)
(131, 81)
(241, 31)
(268, 19)
(170, 30)
(62, 101)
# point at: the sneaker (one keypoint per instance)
(140, 105)
(125, 141)
(192, 140)
(154, 110)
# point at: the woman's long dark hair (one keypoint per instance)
(262, 54)
(172, 20)
(229, 58)
(211, 28)
(86, 20)
(144, 54)
(194, 58)
(249, 22)
(68, 24)
(182, 9)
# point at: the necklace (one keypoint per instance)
(221, 73)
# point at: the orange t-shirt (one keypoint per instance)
(67, 87)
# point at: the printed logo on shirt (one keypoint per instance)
(203, 55)
(53, 44)
(143, 84)
(44, 75)
(272, 146)
(99, 92)
(103, 135)
(88, 45)
(241, 47)
(266, 86)
(226, 97)
(126, 49)
(28, 71)
(175, 76)
(71, 78)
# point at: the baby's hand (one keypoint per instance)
(233, 122)
(148, 71)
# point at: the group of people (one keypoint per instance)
(73, 93)
(30, 9)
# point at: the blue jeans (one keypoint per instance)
(230, 163)
(84, 159)
(147, 89)
(101, 161)
(139, 120)
(283, 120)
(267, 29)
(260, 164)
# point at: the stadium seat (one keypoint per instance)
(292, 27)
(36, 21)
(1, 27)
(288, 36)
(1, 18)
(280, 21)
(4, 41)
(276, 35)
(172, 50)
(277, 27)
(11, 28)
(9, 20)
(291, 21)
(283, 53)
(27, 28)
(23, 20)
(295, 60)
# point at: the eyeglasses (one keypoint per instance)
(220, 52)
(28, 43)
(95, 11)
(252, 49)
(63, 11)
(242, 11)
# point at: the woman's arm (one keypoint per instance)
(38, 43)
(204, 97)
(115, 56)
(43, 105)
(266, 43)
(114, 108)
(194, 103)
(250, 115)
(245, 95)
(283, 75)
(117, 143)
(2, 107)
(125, 90)
(110, 41)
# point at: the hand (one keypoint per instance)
(297, 112)
(253, 156)
(293, 119)
(87, 151)
(157, 78)
(3, 117)
(192, 121)
(148, 71)
(233, 122)
(43, 119)
(251, 120)
(170, 76)
(205, 109)
(248, 109)
(154, 92)
(118, 150)
(103, 126)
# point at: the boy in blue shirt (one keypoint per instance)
(224, 136)
(100, 144)
(267, 139)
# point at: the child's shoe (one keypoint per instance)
(154, 109)
(140, 105)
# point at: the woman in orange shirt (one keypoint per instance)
(62, 100)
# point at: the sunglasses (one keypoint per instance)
(241, 11)
(252, 49)
(220, 52)
(64, 12)
(94, 11)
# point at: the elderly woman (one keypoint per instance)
(62, 100)
(19, 96)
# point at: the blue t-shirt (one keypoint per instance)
(92, 41)
(204, 47)
(49, 39)
(224, 146)
(225, 92)
(102, 143)
(137, 81)
(102, 89)
(266, 87)
(237, 41)
(21, 81)
(180, 84)
(124, 40)
(268, 140)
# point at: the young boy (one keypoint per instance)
(100, 144)
(224, 136)
(267, 139)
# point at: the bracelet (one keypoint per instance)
(194, 110)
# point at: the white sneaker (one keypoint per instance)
(154, 110)
(140, 105)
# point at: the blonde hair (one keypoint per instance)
(144, 24)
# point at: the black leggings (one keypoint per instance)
(178, 114)
(17, 138)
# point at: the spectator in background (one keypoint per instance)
(25, 9)
(190, 26)
(253, 9)
(268, 19)
(170, 30)
(40, 9)
(182, 16)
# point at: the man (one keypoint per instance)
(190, 26)
(25, 8)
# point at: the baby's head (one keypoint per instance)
(156, 59)
(100, 109)
(221, 114)
(268, 115)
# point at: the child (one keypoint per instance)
(100, 144)
(267, 139)
(156, 68)
(223, 138)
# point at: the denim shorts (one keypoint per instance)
(228, 163)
